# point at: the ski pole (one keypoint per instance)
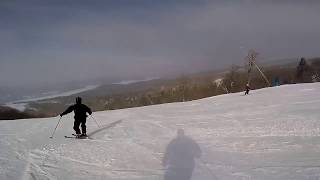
(56, 127)
(95, 121)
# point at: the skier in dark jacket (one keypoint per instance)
(80, 116)
(247, 89)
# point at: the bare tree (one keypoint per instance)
(251, 59)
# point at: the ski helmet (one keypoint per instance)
(78, 100)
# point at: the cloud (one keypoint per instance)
(53, 42)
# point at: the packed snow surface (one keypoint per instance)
(272, 133)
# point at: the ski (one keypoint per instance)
(75, 137)
(70, 137)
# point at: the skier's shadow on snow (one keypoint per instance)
(179, 158)
(104, 128)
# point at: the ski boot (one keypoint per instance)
(83, 136)
(77, 135)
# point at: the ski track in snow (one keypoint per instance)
(271, 134)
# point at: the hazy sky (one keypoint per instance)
(64, 40)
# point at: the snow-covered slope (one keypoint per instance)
(271, 134)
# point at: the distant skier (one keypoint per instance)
(247, 89)
(179, 159)
(80, 116)
(301, 70)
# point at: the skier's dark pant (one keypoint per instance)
(77, 122)
(247, 92)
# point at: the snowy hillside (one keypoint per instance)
(271, 134)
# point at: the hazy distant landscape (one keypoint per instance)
(196, 49)
(150, 91)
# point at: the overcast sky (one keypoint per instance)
(65, 40)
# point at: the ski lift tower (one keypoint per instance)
(251, 58)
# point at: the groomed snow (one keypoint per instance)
(271, 134)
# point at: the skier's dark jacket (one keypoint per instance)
(80, 111)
